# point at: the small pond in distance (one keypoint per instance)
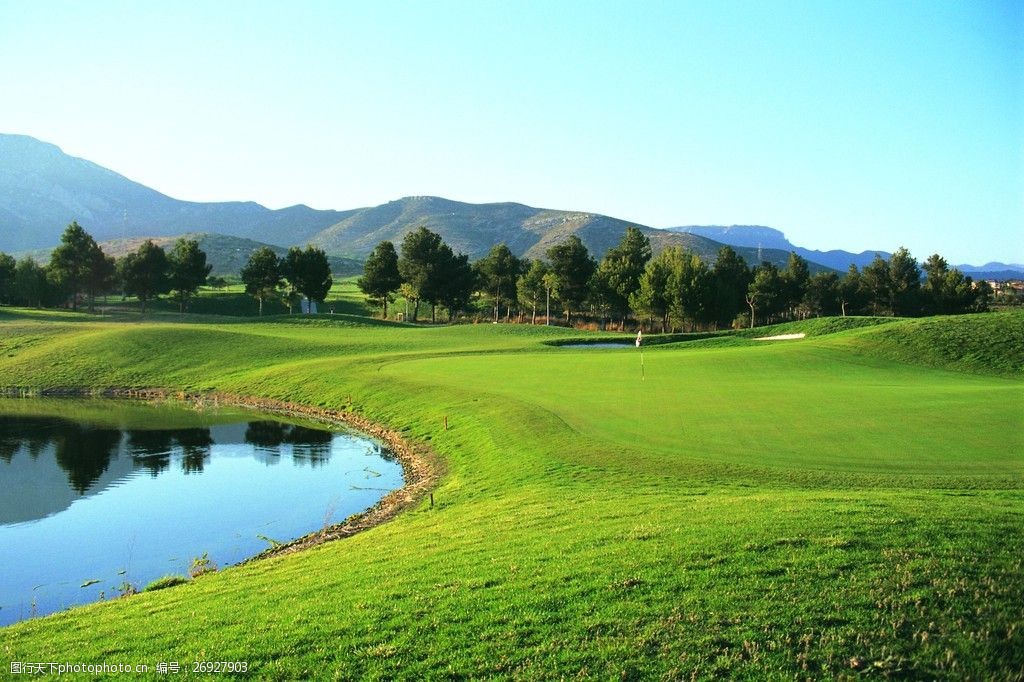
(603, 345)
(99, 493)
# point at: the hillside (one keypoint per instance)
(225, 253)
(42, 189)
(474, 228)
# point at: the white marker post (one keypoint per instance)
(639, 344)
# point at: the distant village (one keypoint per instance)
(1007, 292)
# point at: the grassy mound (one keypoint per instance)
(985, 344)
(822, 508)
(817, 326)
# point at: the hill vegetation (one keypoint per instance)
(42, 190)
(227, 255)
(473, 229)
(814, 508)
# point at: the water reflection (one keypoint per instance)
(308, 446)
(152, 450)
(84, 452)
(131, 493)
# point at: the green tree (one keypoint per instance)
(618, 274)
(72, 261)
(188, 270)
(982, 297)
(262, 275)
(795, 278)
(145, 273)
(418, 262)
(381, 278)
(601, 294)
(822, 297)
(550, 284)
(933, 292)
(499, 270)
(652, 300)
(689, 288)
(905, 277)
(877, 287)
(8, 266)
(32, 287)
(459, 282)
(731, 279)
(959, 293)
(288, 291)
(308, 272)
(852, 297)
(102, 275)
(573, 267)
(531, 289)
(406, 291)
(764, 293)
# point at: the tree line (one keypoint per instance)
(673, 290)
(79, 271)
(299, 273)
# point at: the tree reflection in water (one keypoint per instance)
(84, 451)
(308, 446)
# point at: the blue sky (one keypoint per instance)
(849, 125)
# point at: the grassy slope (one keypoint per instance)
(752, 510)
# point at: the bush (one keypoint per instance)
(201, 565)
(127, 589)
(165, 582)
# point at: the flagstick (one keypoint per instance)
(643, 376)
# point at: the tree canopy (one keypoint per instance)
(188, 270)
(381, 278)
(262, 275)
(145, 273)
(573, 267)
(308, 272)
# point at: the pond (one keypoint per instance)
(603, 345)
(102, 494)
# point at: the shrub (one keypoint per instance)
(165, 582)
(201, 565)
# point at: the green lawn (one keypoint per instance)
(848, 503)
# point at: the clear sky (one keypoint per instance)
(846, 124)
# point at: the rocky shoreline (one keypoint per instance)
(422, 468)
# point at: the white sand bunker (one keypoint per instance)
(781, 337)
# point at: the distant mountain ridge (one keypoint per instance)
(42, 189)
(474, 228)
(756, 236)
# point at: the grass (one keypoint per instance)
(846, 504)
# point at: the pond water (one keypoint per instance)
(100, 493)
(605, 345)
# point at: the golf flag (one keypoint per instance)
(639, 337)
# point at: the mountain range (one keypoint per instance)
(759, 236)
(42, 189)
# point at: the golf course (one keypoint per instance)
(849, 503)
